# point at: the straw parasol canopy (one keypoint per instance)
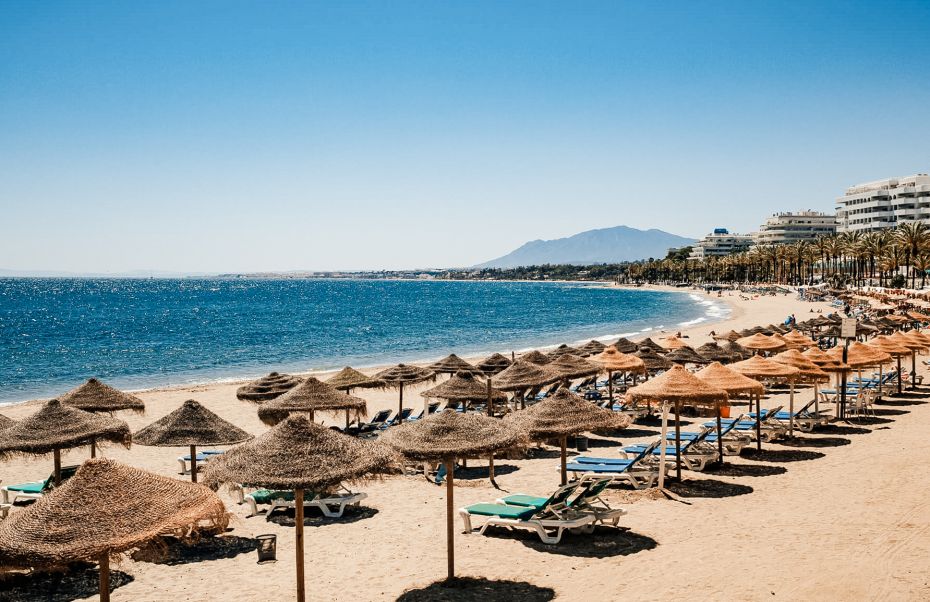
(5, 422)
(449, 435)
(569, 366)
(536, 357)
(400, 375)
(450, 365)
(728, 336)
(95, 396)
(523, 375)
(918, 337)
(905, 341)
(652, 360)
(494, 363)
(55, 427)
(649, 343)
(679, 387)
(561, 350)
(889, 346)
(464, 386)
(301, 455)
(267, 387)
(860, 355)
(715, 353)
(719, 376)
(674, 342)
(737, 351)
(761, 342)
(686, 355)
(564, 414)
(592, 347)
(625, 345)
(310, 396)
(349, 378)
(760, 367)
(190, 425)
(824, 360)
(611, 360)
(798, 340)
(808, 370)
(106, 508)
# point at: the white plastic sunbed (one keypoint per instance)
(332, 505)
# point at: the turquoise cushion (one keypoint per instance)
(501, 510)
(526, 500)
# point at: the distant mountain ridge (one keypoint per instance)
(604, 245)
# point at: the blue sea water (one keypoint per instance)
(54, 333)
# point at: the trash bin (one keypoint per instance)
(581, 443)
(267, 548)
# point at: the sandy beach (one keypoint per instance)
(837, 514)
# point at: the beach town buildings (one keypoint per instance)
(720, 243)
(791, 227)
(884, 204)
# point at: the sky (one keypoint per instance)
(252, 136)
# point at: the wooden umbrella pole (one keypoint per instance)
(490, 413)
(93, 448)
(610, 388)
(491, 467)
(347, 418)
(759, 421)
(564, 471)
(677, 440)
(719, 435)
(791, 411)
(299, 543)
(400, 405)
(56, 457)
(193, 463)
(899, 375)
(913, 370)
(450, 532)
(662, 448)
(104, 562)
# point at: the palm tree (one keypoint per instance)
(912, 236)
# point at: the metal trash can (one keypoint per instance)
(267, 548)
(581, 443)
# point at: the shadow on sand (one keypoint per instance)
(174, 551)
(314, 518)
(728, 469)
(82, 582)
(815, 442)
(483, 472)
(782, 455)
(474, 589)
(707, 488)
(604, 542)
(842, 429)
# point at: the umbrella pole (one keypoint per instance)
(104, 577)
(93, 448)
(299, 543)
(719, 435)
(400, 405)
(899, 375)
(564, 471)
(759, 421)
(791, 411)
(913, 370)
(490, 413)
(610, 388)
(193, 463)
(491, 467)
(57, 459)
(662, 450)
(347, 418)
(450, 531)
(677, 441)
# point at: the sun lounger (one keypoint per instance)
(376, 422)
(549, 520)
(582, 496)
(733, 442)
(36, 489)
(805, 419)
(404, 415)
(633, 471)
(332, 505)
(202, 458)
(769, 427)
(693, 455)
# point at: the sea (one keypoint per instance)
(142, 333)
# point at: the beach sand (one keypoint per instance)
(840, 514)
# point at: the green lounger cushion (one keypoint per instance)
(265, 496)
(526, 500)
(38, 487)
(501, 510)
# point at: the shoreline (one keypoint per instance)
(730, 312)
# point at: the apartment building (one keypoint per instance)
(884, 204)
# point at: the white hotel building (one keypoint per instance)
(719, 244)
(884, 204)
(788, 228)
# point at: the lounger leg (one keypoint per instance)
(466, 520)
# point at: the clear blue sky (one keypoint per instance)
(235, 136)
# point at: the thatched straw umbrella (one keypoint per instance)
(676, 386)
(859, 355)
(610, 360)
(536, 357)
(569, 367)
(5, 422)
(450, 365)
(807, 371)
(625, 345)
(400, 375)
(465, 387)
(894, 348)
(565, 414)
(523, 375)
(761, 342)
(106, 508)
(719, 376)
(267, 387)
(715, 353)
(652, 360)
(592, 347)
(759, 367)
(737, 351)
(797, 340)
(56, 427)
(445, 436)
(674, 342)
(914, 345)
(349, 378)
(728, 336)
(95, 396)
(299, 454)
(312, 396)
(494, 363)
(190, 425)
(650, 344)
(561, 350)
(686, 355)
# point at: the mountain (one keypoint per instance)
(606, 245)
